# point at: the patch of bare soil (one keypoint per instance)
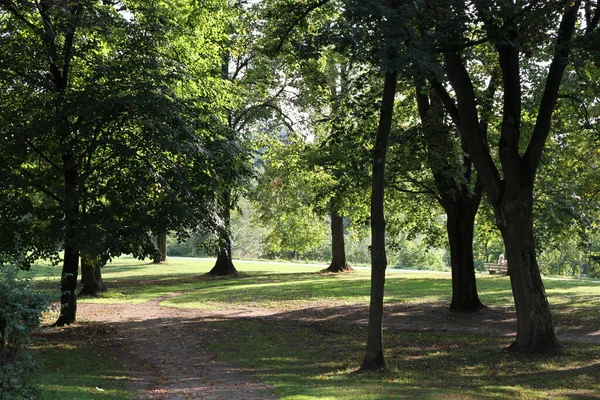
(166, 349)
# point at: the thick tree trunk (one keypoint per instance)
(460, 227)
(161, 244)
(338, 249)
(224, 264)
(92, 278)
(512, 194)
(452, 180)
(374, 353)
(68, 280)
(535, 330)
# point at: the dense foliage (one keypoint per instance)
(20, 311)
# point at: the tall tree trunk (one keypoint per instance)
(453, 179)
(161, 244)
(68, 280)
(374, 353)
(512, 194)
(535, 330)
(224, 264)
(460, 226)
(338, 249)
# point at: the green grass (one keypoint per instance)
(316, 360)
(75, 364)
(294, 286)
(309, 362)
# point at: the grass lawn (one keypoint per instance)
(74, 364)
(315, 360)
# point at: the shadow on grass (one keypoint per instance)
(73, 366)
(314, 356)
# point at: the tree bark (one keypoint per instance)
(224, 264)
(338, 249)
(161, 244)
(98, 276)
(452, 180)
(374, 359)
(92, 278)
(535, 330)
(460, 227)
(68, 280)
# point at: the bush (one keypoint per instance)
(416, 254)
(20, 312)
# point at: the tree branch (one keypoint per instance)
(462, 46)
(470, 129)
(550, 96)
(591, 18)
(448, 102)
(298, 19)
(41, 154)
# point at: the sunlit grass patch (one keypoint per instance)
(306, 359)
(309, 362)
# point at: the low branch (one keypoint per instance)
(575, 99)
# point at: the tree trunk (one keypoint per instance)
(68, 280)
(98, 276)
(374, 359)
(535, 330)
(453, 180)
(338, 250)
(224, 264)
(92, 278)
(161, 244)
(460, 226)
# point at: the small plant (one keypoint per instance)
(20, 311)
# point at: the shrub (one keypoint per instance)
(20, 312)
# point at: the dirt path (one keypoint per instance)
(165, 349)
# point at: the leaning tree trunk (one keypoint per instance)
(338, 249)
(68, 280)
(460, 226)
(535, 330)
(374, 353)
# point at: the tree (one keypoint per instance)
(285, 194)
(453, 176)
(107, 150)
(247, 71)
(510, 187)
(374, 353)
